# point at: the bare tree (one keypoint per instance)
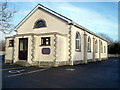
(2, 45)
(6, 16)
(113, 46)
(110, 40)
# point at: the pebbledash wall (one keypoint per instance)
(62, 42)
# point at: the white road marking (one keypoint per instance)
(10, 68)
(70, 69)
(27, 72)
(16, 71)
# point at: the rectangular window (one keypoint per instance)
(11, 43)
(89, 47)
(45, 41)
(78, 46)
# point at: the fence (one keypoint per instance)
(113, 55)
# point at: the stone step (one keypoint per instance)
(22, 63)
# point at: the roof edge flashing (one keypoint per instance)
(44, 8)
(89, 31)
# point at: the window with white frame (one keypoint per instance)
(96, 46)
(101, 47)
(104, 49)
(89, 44)
(11, 43)
(39, 24)
(78, 41)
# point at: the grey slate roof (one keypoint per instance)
(39, 6)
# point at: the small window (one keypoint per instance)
(39, 24)
(89, 44)
(45, 41)
(11, 43)
(96, 47)
(78, 42)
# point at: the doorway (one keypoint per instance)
(23, 48)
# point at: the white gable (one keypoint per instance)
(46, 9)
(53, 23)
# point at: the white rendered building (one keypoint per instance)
(45, 37)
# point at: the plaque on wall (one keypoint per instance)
(45, 50)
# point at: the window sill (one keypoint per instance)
(39, 27)
(78, 50)
(10, 46)
(89, 51)
(44, 45)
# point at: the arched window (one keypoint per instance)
(96, 46)
(78, 41)
(39, 24)
(101, 47)
(89, 44)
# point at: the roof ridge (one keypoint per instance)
(55, 12)
(80, 26)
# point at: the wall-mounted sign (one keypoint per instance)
(45, 50)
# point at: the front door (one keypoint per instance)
(23, 48)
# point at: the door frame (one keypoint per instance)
(23, 48)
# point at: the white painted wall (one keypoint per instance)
(90, 54)
(97, 54)
(77, 55)
(53, 23)
(8, 50)
(17, 48)
(104, 55)
(61, 48)
(44, 57)
(80, 55)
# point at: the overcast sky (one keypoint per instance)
(99, 17)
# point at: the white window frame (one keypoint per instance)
(96, 46)
(78, 42)
(101, 47)
(89, 44)
(104, 49)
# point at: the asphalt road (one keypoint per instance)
(93, 75)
